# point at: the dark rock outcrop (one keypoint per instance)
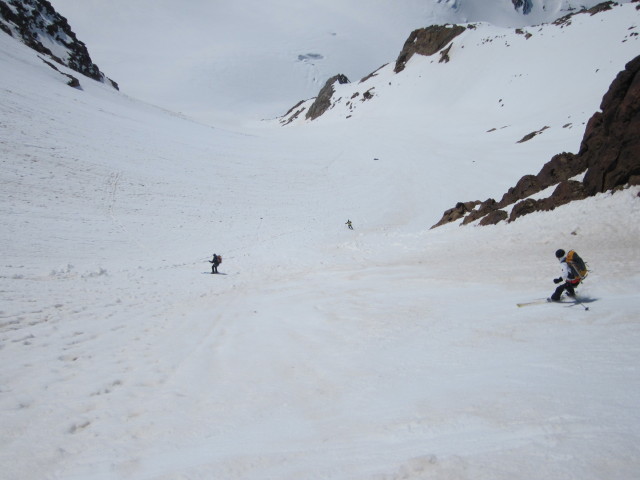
(601, 7)
(37, 24)
(444, 54)
(427, 41)
(494, 217)
(486, 207)
(72, 82)
(609, 153)
(562, 166)
(526, 186)
(565, 192)
(323, 100)
(456, 213)
(611, 144)
(531, 135)
(424, 41)
(523, 207)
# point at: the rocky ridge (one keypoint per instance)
(426, 42)
(37, 24)
(423, 41)
(609, 157)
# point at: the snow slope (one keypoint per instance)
(481, 97)
(200, 57)
(390, 351)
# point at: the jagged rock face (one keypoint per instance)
(523, 208)
(323, 100)
(611, 144)
(601, 7)
(609, 152)
(562, 166)
(566, 191)
(427, 41)
(456, 213)
(424, 41)
(527, 185)
(37, 24)
(494, 217)
(486, 207)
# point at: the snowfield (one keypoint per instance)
(224, 61)
(391, 351)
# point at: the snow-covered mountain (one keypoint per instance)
(39, 26)
(390, 351)
(513, 13)
(571, 45)
(429, 52)
(200, 57)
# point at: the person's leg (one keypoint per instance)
(570, 290)
(556, 295)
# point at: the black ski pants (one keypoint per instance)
(566, 286)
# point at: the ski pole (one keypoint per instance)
(582, 304)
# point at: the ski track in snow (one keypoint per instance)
(388, 352)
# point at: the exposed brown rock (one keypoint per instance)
(290, 116)
(529, 136)
(609, 152)
(494, 217)
(527, 185)
(323, 100)
(444, 54)
(523, 208)
(424, 41)
(372, 74)
(486, 207)
(566, 191)
(601, 7)
(611, 144)
(456, 213)
(526, 34)
(562, 166)
(427, 41)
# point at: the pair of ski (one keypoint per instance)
(540, 301)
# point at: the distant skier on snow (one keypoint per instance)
(349, 224)
(573, 271)
(215, 261)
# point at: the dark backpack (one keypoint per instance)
(577, 265)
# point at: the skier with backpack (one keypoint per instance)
(574, 270)
(215, 261)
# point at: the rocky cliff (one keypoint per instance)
(427, 41)
(323, 100)
(423, 41)
(39, 26)
(609, 157)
